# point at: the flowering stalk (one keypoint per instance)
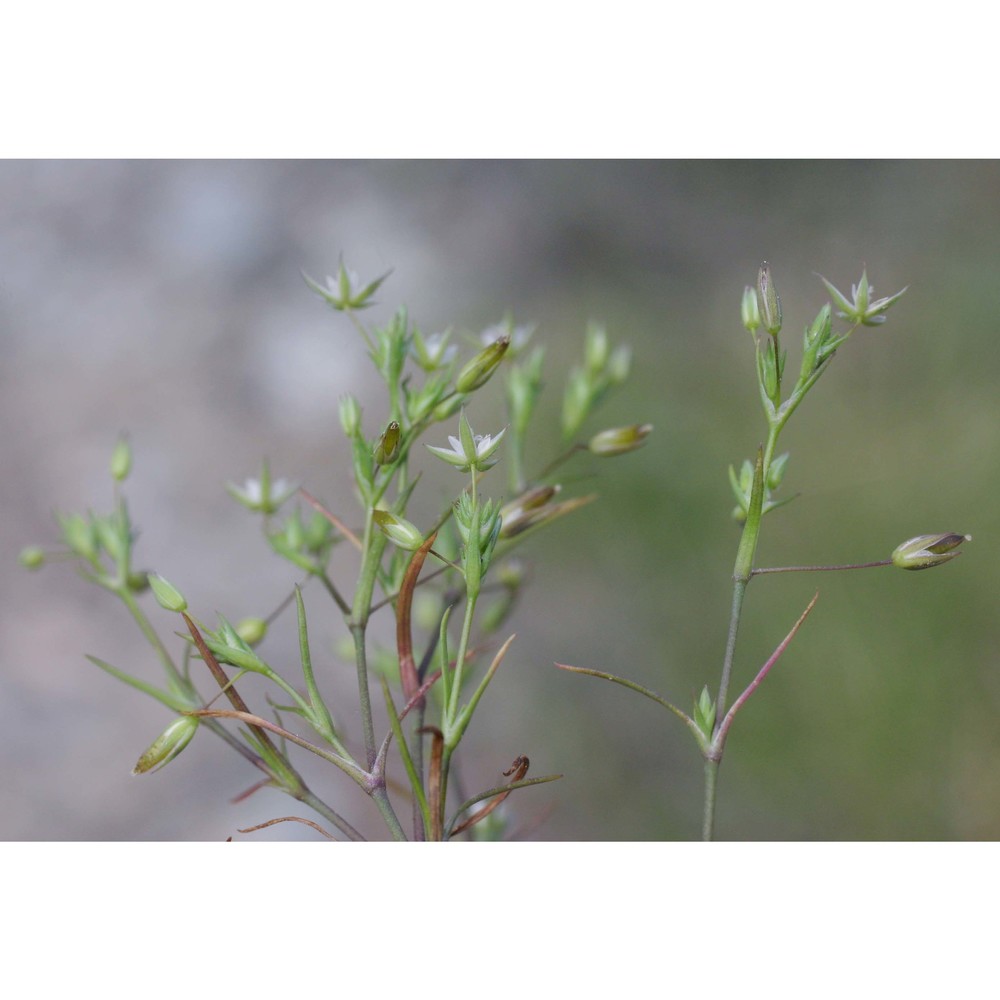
(442, 388)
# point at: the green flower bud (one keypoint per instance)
(619, 364)
(576, 402)
(925, 551)
(816, 337)
(387, 446)
(350, 415)
(167, 594)
(79, 534)
(167, 745)
(618, 440)
(31, 557)
(397, 530)
(748, 309)
(138, 581)
(252, 630)
(767, 300)
(113, 535)
(449, 407)
(121, 460)
(229, 647)
(776, 471)
(705, 712)
(478, 371)
(524, 384)
(511, 573)
(421, 403)
(595, 348)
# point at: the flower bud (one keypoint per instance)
(121, 460)
(776, 471)
(619, 364)
(79, 534)
(388, 444)
(31, 557)
(511, 573)
(618, 440)
(230, 647)
(595, 348)
(705, 712)
(478, 371)
(926, 551)
(748, 309)
(167, 745)
(350, 415)
(168, 595)
(449, 407)
(397, 530)
(251, 630)
(768, 301)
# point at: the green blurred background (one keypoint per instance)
(164, 298)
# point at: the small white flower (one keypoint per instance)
(346, 284)
(468, 450)
(262, 494)
(439, 350)
(519, 335)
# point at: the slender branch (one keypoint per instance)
(363, 778)
(819, 569)
(711, 777)
(632, 686)
(287, 819)
(332, 518)
(331, 589)
(739, 591)
(556, 462)
(720, 738)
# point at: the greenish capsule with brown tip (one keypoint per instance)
(387, 446)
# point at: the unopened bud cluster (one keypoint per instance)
(589, 383)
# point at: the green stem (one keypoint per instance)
(739, 590)
(151, 636)
(711, 776)
(364, 696)
(373, 546)
(381, 797)
(456, 680)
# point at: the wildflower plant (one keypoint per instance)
(754, 488)
(432, 683)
